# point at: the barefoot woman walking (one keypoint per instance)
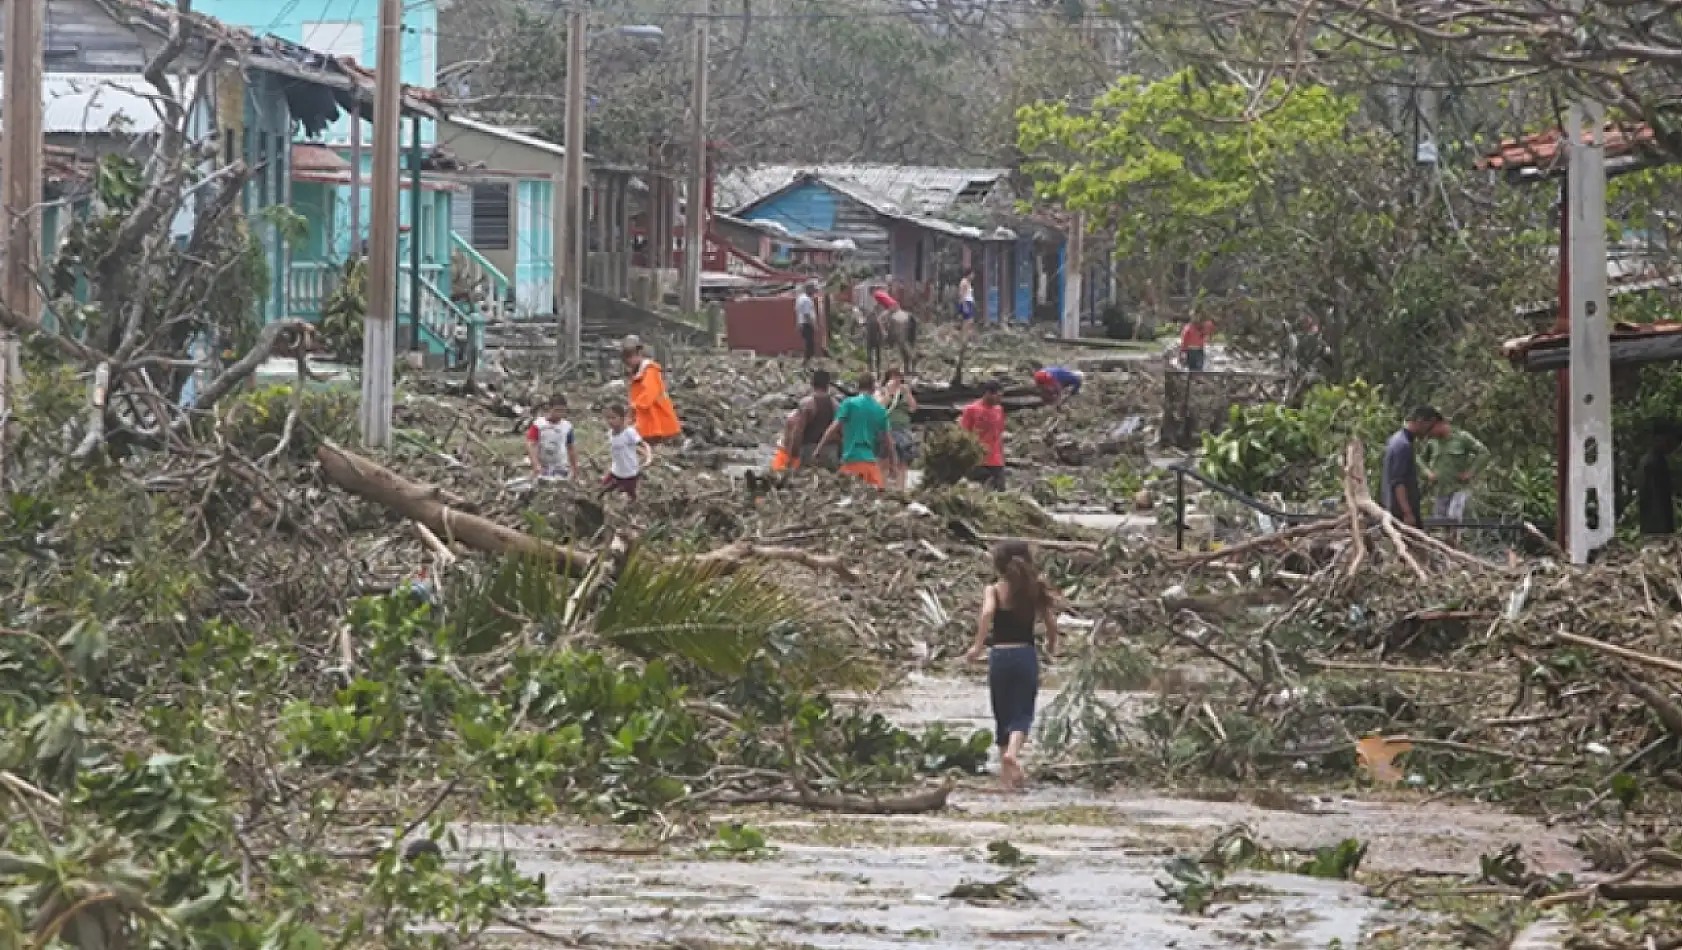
(1008, 611)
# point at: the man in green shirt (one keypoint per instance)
(861, 425)
(1451, 463)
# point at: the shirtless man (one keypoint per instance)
(805, 428)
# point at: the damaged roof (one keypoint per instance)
(911, 189)
(1632, 343)
(1537, 157)
(350, 81)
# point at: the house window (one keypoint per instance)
(335, 37)
(490, 217)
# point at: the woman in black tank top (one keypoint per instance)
(1008, 611)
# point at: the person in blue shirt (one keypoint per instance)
(1057, 383)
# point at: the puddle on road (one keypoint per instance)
(875, 896)
(872, 883)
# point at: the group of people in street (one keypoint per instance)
(649, 418)
(1429, 453)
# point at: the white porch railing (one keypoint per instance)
(309, 287)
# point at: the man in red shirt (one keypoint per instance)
(1194, 342)
(985, 419)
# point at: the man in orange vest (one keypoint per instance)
(652, 414)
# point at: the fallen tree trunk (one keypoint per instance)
(367, 479)
(914, 804)
(429, 507)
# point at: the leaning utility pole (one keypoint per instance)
(379, 327)
(21, 188)
(571, 328)
(695, 210)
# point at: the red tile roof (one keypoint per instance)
(1539, 155)
(317, 158)
(1518, 349)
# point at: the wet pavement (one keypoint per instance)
(845, 882)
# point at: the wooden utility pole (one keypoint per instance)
(355, 180)
(572, 249)
(1074, 268)
(695, 209)
(379, 334)
(20, 183)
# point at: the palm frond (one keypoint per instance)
(687, 610)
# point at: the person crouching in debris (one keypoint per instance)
(861, 426)
(1401, 466)
(1057, 383)
(1656, 495)
(897, 399)
(627, 454)
(805, 428)
(1005, 631)
(652, 414)
(549, 442)
(985, 419)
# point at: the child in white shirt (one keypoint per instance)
(549, 442)
(629, 454)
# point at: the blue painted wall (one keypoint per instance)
(810, 207)
(1024, 280)
(286, 20)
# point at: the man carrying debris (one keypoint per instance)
(1401, 466)
(1450, 462)
(1657, 494)
(549, 443)
(1194, 342)
(985, 419)
(1057, 383)
(806, 427)
(806, 318)
(861, 426)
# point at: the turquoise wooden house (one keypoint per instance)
(248, 98)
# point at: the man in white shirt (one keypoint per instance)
(966, 301)
(806, 318)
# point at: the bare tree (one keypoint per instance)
(155, 305)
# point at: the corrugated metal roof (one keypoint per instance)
(912, 189)
(102, 102)
(509, 135)
(890, 209)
